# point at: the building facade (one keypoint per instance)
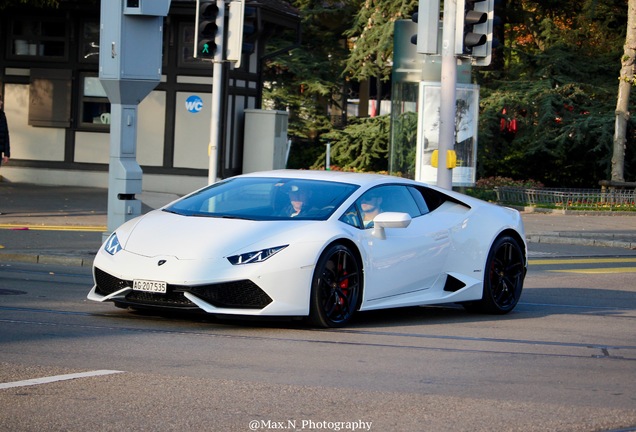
(59, 115)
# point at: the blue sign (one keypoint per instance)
(194, 104)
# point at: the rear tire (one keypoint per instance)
(503, 278)
(336, 287)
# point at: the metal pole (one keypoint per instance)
(217, 95)
(448, 95)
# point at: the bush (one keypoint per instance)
(485, 188)
(493, 182)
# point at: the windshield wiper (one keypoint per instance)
(173, 212)
(208, 215)
(226, 216)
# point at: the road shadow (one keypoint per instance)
(536, 303)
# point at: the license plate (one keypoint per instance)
(150, 286)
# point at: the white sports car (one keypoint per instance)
(316, 244)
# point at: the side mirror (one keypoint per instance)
(389, 220)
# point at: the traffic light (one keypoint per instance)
(206, 29)
(474, 30)
(250, 29)
(427, 19)
(242, 31)
(235, 33)
(498, 33)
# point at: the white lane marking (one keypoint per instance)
(50, 379)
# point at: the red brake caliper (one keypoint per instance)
(344, 286)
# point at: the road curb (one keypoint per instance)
(541, 210)
(580, 241)
(70, 260)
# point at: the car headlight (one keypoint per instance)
(255, 256)
(112, 245)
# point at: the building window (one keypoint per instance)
(39, 38)
(94, 104)
(50, 98)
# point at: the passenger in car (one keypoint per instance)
(370, 204)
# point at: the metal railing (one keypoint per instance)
(569, 199)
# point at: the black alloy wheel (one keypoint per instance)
(336, 287)
(503, 279)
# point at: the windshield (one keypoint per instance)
(258, 198)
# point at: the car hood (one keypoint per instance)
(160, 233)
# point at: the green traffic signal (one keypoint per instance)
(206, 48)
(207, 29)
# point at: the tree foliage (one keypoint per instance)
(563, 134)
(371, 36)
(33, 3)
(554, 77)
(309, 79)
(361, 146)
(559, 86)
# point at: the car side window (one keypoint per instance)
(352, 217)
(432, 198)
(397, 198)
(391, 198)
(419, 200)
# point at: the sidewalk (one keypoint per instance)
(595, 229)
(64, 225)
(57, 224)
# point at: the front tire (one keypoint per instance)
(336, 287)
(503, 279)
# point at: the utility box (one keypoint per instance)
(147, 7)
(130, 52)
(131, 42)
(265, 140)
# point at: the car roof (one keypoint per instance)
(364, 180)
(360, 179)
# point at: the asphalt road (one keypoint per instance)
(564, 360)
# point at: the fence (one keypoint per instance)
(570, 199)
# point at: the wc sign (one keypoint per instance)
(194, 104)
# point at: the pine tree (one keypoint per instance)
(371, 40)
(558, 86)
(309, 80)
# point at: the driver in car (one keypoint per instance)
(298, 199)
